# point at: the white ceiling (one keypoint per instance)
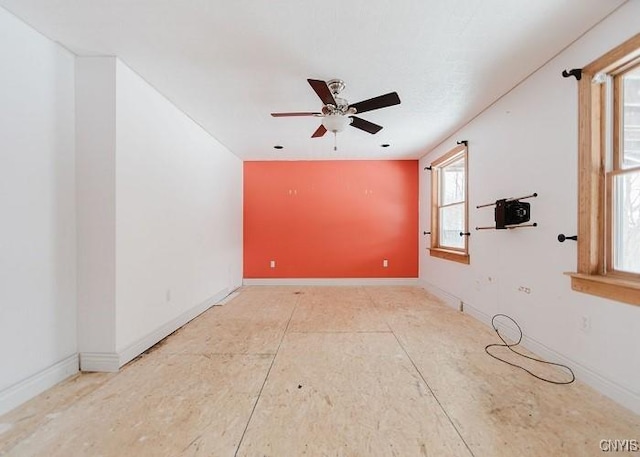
(228, 64)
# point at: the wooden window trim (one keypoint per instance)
(447, 254)
(607, 286)
(455, 255)
(593, 239)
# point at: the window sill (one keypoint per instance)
(623, 290)
(454, 256)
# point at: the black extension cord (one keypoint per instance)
(511, 346)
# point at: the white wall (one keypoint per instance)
(178, 213)
(96, 203)
(37, 208)
(158, 203)
(159, 215)
(525, 143)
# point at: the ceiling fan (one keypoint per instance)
(337, 113)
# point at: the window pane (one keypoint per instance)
(631, 119)
(626, 222)
(451, 224)
(452, 185)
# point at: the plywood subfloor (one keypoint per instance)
(319, 371)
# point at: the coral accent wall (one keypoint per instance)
(331, 219)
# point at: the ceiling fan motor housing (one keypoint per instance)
(336, 86)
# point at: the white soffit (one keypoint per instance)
(228, 64)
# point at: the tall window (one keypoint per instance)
(624, 174)
(449, 206)
(609, 176)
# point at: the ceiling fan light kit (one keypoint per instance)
(337, 113)
(336, 122)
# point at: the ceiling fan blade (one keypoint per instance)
(321, 88)
(367, 126)
(319, 132)
(295, 114)
(381, 101)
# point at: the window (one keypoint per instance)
(449, 206)
(609, 176)
(623, 177)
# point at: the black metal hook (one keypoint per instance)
(426, 233)
(465, 233)
(427, 168)
(576, 72)
(562, 237)
(465, 142)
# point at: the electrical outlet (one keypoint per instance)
(524, 289)
(272, 264)
(385, 263)
(585, 324)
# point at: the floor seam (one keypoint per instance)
(444, 411)
(295, 306)
(219, 353)
(346, 331)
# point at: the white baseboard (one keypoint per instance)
(228, 298)
(37, 383)
(611, 389)
(107, 362)
(443, 295)
(330, 281)
(138, 347)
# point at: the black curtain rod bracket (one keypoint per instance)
(576, 72)
(427, 168)
(465, 233)
(426, 233)
(562, 237)
(465, 142)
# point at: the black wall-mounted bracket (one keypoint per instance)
(427, 168)
(562, 237)
(576, 72)
(510, 213)
(465, 233)
(426, 233)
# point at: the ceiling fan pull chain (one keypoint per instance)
(335, 141)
